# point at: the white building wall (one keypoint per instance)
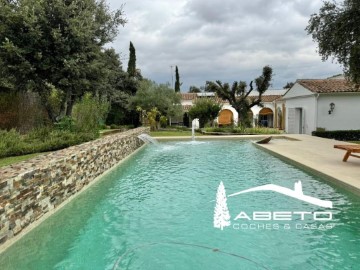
(308, 105)
(186, 102)
(345, 115)
(297, 90)
(256, 110)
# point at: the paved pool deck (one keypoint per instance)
(314, 154)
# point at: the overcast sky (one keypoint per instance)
(224, 40)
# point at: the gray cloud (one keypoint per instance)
(226, 40)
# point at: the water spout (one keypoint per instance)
(193, 132)
(147, 139)
(194, 125)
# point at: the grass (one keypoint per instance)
(12, 160)
(169, 133)
(105, 132)
(358, 142)
(238, 130)
(45, 139)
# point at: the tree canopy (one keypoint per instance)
(177, 80)
(288, 85)
(57, 45)
(336, 29)
(206, 109)
(194, 89)
(152, 95)
(131, 70)
(238, 94)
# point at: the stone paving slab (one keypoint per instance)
(320, 156)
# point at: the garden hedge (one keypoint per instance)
(341, 135)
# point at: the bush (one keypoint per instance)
(341, 135)
(113, 126)
(66, 123)
(39, 140)
(206, 110)
(90, 113)
(163, 121)
(185, 128)
(121, 127)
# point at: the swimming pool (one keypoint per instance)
(156, 210)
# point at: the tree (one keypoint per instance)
(336, 30)
(221, 211)
(59, 45)
(206, 109)
(238, 95)
(177, 80)
(131, 70)
(207, 87)
(119, 87)
(151, 95)
(288, 85)
(194, 89)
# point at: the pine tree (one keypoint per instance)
(177, 80)
(132, 61)
(221, 212)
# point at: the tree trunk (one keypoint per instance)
(69, 107)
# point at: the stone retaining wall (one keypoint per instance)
(30, 189)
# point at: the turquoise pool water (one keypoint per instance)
(155, 211)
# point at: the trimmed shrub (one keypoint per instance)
(341, 135)
(39, 140)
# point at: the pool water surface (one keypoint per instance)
(156, 210)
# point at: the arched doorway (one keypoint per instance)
(226, 117)
(266, 116)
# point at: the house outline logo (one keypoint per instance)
(221, 211)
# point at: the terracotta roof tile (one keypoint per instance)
(192, 96)
(328, 86)
(270, 98)
(188, 96)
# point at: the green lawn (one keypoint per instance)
(358, 142)
(166, 133)
(12, 160)
(105, 132)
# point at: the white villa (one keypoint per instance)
(271, 115)
(311, 104)
(330, 104)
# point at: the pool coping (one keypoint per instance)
(324, 175)
(224, 137)
(51, 212)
